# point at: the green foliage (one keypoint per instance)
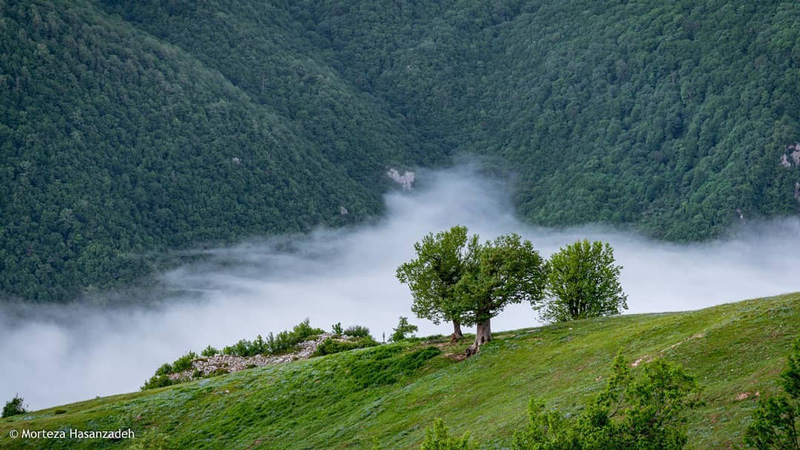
(14, 407)
(161, 377)
(330, 346)
(776, 424)
(337, 328)
(157, 381)
(648, 412)
(184, 362)
(131, 128)
(152, 440)
(386, 365)
(127, 131)
(497, 274)
(433, 275)
(583, 282)
(209, 351)
(357, 331)
(317, 404)
(403, 331)
(283, 342)
(608, 111)
(437, 438)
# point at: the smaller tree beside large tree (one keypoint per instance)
(433, 275)
(583, 281)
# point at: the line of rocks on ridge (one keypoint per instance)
(220, 363)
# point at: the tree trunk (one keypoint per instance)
(457, 335)
(482, 335)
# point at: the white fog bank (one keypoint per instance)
(60, 354)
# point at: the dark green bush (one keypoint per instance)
(403, 331)
(184, 362)
(14, 407)
(438, 438)
(330, 346)
(357, 331)
(161, 377)
(648, 412)
(165, 369)
(209, 351)
(157, 381)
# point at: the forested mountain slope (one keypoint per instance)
(116, 144)
(129, 128)
(671, 115)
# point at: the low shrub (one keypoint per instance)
(438, 438)
(14, 407)
(357, 331)
(330, 346)
(184, 362)
(161, 377)
(404, 330)
(157, 381)
(209, 351)
(283, 342)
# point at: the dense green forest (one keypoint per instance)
(131, 128)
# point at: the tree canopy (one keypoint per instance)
(583, 281)
(434, 274)
(498, 273)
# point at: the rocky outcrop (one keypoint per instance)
(220, 363)
(405, 180)
(791, 158)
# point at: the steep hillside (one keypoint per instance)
(129, 128)
(672, 115)
(394, 392)
(116, 144)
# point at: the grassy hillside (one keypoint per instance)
(393, 392)
(132, 127)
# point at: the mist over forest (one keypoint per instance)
(57, 353)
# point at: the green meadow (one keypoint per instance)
(393, 392)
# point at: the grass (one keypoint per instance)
(394, 392)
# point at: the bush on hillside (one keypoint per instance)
(283, 342)
(777, 420)
(357, 331)
(648, 412)
(438, 438)
(330, 346)
(14, 407)
(403, 331)
(209, 352)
